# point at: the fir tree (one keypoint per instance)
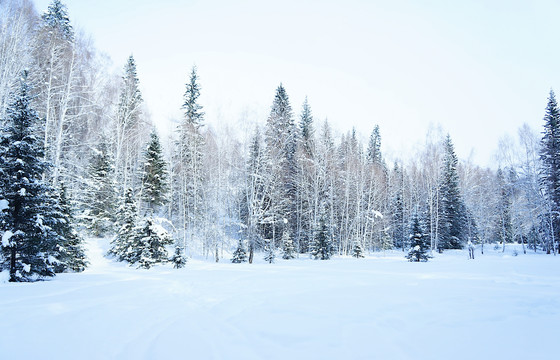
(306, 129)
(270, 252)
(419, 246)
(550, 169)
(373, 154)
(178, 259)
(154, 179)
(322, 245)
(240, 254)
(57, 20)
(288, 249)
(453, 214)
(125, 245)
(152, 240)
(504, 224)
(99, 216)
(357, 249)
(28, 224)
(71, 252)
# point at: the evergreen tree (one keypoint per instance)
(288, 249)
(56, 18)
(28, 223)
(71, 252)
(154, 179)
(99, 216)
(125, 245)
(357, 250)
(373, 154)
(270, 252)
(322, 245)
(306, 129)
(504, 224)
(419, 246)
(152, 240)
(397, 209)
(550, 169)
(453, 214)
(178, 259)
(240, 254)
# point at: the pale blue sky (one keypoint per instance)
(478, 68)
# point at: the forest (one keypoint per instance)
(80, 157)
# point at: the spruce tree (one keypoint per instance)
(178, 260)
(154, 177)
(550, 170)
(504, 222)
(57, 20)
(373, 154)
(125, 245)
(357, 249)
(306, 130)
(452, 210)
(152, 241)
(71, 252)
(322, 245)
(28, 223)
(99, 214)
(419, 245)
(270, 252)
(288, 249)
(240, 254)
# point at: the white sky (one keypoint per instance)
(479, 68)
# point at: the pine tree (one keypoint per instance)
(56, 18)
(99, 215)
(504, 224)
(28, 224)
(397, 209)
(306, 130)
(288, 249)
(71, 252)
(154, 178)
(373, 154)
(152, 240)
(453, 214)
(125, 245)
(240, 254)
(322, 245)
(357, 250)
(178, 259)
(419, 246)
(550, 169)
(270, 252)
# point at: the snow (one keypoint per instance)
(22, 192)
(380, 307)
(3, 204)
(6, 236)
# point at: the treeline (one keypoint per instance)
(294, 188)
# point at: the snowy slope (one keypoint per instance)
(495, 307)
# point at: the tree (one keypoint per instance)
(357, 250)
(550, 170)
(154, 177)
(453, 213)
(288, 249)
(373, 153)
(270, 252)
(125, 245)
(99, 214)
(152, 240)
(56, 18)
(240, 254)
(419, 245)
(28, 224)
(178, 259)
(504, 223)
(322, 245)
(71, 252)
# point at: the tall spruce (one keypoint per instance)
(57, 20)
(28, 223)
(71, 251)
(504, 222)
(99, 214)
(373, 154)
(152, 241)
(550, 170)
(453, 214)
(154, 176)
(125, 246)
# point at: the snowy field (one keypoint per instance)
(382, 307)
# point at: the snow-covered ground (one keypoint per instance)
(382, 307)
